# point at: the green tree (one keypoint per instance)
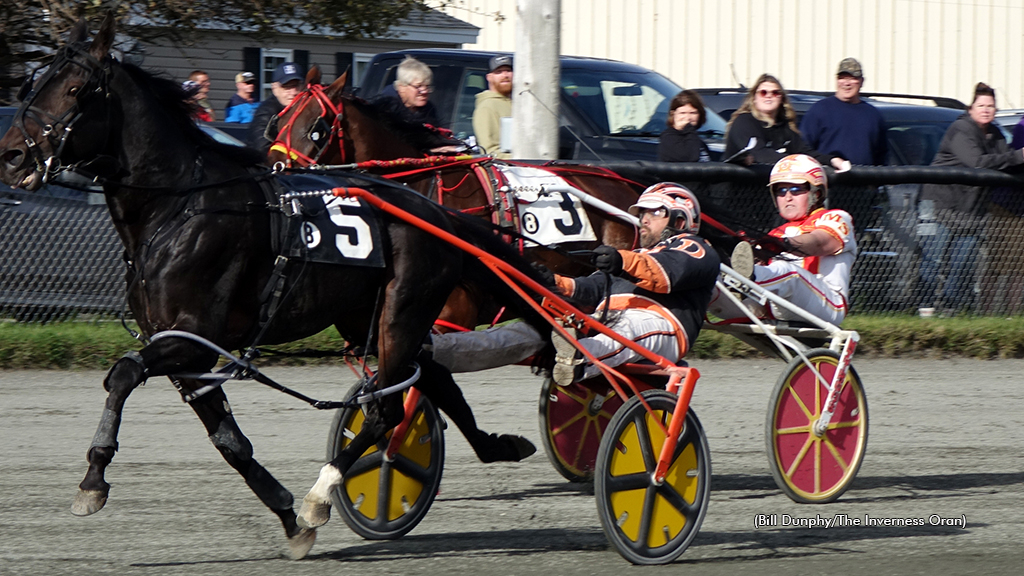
(31, 29)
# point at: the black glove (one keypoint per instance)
(547, 277)
(607, 259)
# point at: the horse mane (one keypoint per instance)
(177, 106)
(423, 137)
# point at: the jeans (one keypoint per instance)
(953, 256)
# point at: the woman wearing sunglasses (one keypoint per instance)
(763, 129)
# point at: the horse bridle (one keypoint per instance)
(57, 129)
(319, 132)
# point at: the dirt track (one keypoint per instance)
(945, 439)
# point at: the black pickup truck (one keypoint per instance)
(609, 110)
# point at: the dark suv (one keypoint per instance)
(609, 110)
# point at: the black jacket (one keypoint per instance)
(389, 101)
(968, 144)
(773, 143)
(268, 109)
(682, 146)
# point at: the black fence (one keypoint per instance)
(62, 260)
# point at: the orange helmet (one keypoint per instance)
(799, 168)
(682, 205)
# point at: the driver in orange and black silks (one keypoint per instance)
(659, 293)
(658, 297)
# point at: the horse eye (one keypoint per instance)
(73, 90)
(315, 136)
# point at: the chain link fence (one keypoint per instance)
(62, 259)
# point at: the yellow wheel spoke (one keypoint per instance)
(800, 457)
(575, 398)
(835, 454)
(569, 422)
(853, 424)
(794, 430)
(800, 402)
(817, 467)
(582, 442)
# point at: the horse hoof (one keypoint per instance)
(299, 545)
(88, 502)
(314, 513)
(523, 447)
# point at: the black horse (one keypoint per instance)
(196, 226)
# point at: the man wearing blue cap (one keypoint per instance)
(287, 82)
(492, 105)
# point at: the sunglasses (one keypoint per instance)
(422, 88)
(772, 93)
(795, 190)
(656, 212)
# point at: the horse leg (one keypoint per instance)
(437, 383)
(126, 374)
(215, 413)
(159, 358)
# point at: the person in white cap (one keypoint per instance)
(492, 105)
(658, 297)
(810, 264)
(242, 105)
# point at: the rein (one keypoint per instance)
(315, 93)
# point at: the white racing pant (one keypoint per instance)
(512, 343)
(794, 284)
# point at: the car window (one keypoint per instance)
(626, 103)
(5, 123)
(915, 144)
(473, 82)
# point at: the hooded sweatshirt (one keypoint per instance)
(491, 107)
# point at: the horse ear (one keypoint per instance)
(313, 76)
(79, 31)
(338, 85)
(104, 38)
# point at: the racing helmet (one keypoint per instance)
(799, 168)
(682, 205)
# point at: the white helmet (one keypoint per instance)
(682, 205)
(799, 168)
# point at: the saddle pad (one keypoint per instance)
(547, 217)
(333, 230)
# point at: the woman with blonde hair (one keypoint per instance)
(763, 129)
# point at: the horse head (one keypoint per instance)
(64, 116)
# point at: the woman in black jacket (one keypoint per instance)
(763, 129)
(680, 142)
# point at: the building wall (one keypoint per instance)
(221, 57)
(935, 47)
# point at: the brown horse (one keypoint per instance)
(330, 126)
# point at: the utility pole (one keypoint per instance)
(535, 80)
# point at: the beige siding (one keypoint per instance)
(937, 47)
(221, 58)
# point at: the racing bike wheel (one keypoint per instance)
(814, 469)
(381, 499)
(572, 420)
(645, 522)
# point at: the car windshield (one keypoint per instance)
(627, 103)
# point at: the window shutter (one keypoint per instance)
(342, 62)
(302, 59)
(251, 63)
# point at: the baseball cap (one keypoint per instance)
(287, 72)
(850, 66)
(499, 61)
(247, 77)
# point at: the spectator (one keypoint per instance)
(954, 213)
(242, 105)
(202, 79)
(492, 105)
(845, 125)
(763, 129)
(680, 142)
(409, 97)
(1018, 136)
(286, 84)
(817, 249)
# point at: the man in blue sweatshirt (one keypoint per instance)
(844, 125)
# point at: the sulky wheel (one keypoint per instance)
(572, 420)
(383, 500)
(814, 469)
(645, 522)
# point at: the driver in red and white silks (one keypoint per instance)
(814, 271)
